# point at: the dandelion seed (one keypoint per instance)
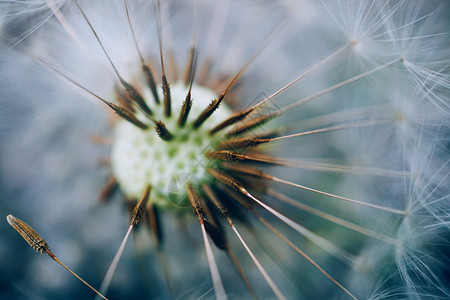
(40, 245)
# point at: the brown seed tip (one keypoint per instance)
(207, 112)
(185, 109)
(225, 155)
(136, 97)
(29, 235)
(195, 202)
(228, 180)
(167, 97)
(162, 131)
(139, 209)
(237, 117)
(252, 124)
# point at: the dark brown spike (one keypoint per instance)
(151, 82)
(228, 180)
(108, 189)
(242, 143)
(210, 194)
(130, 205)
(207, 112)
(29, 235)
(237, 117)
(136, 97)
(216, 235)
(187, 104)
(123, 100)
(195, 202)
(167, 97)
(266, 159)
(140, 207)
(225, 155)
(154, 221)
(185, 109)
(271, 134)
(252, 124)
(162, 131)
(126, 114)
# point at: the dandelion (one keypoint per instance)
(193, 149)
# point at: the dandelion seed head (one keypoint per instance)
(140, 158)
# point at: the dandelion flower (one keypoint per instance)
(241, 149)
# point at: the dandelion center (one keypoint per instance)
(141, 158)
